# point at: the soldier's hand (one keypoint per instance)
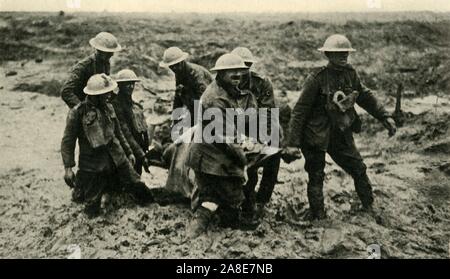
(69, 177)
(132, 159)
(248, 145)
(146, 165)
(290, 154)
(389, 124)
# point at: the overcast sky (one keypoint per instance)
(214, 6)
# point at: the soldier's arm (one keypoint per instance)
(301, 111)
(368, 102)
(201, 82)
(71, 84)
(69, 138)
(123, 141)
(177, 103)
(135, 147)
(267, 100)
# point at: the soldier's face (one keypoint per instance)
(104, 98)
(126, 87)
(245, 73)
(104, 56)
(232, 76)
(100, 100)
(337, 58)
(176, 68)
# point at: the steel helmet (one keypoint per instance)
(106, 42)
(245, 54)
(229, 61)
(172, 56)
(100, 84)
(126, 75)
(337, 43)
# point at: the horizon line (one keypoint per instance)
(227, 12)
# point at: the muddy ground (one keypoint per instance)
(410, 173)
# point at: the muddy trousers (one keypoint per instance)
(343, 151)
(92, 185)
(266, 186)
(224, 191)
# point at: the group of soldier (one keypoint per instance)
(113, 136)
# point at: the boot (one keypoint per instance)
(314, 215)
(199, 224)
(248, 222)
(248, 210)
(141, 194)
(229, 217)
(105, 203)
(92, 210)
(77, 195)
(260, 209)
(368, 208)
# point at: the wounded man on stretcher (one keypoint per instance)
(180, 184)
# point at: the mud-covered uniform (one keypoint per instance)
(219, 167)
(261, 88)
(282, 103)
(190, 84)
(102, 162)
(133, 125)
(317, 127)
(72, 90)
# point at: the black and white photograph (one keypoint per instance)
(240, 129)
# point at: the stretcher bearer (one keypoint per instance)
(191, 79)
(131, 118)
(103, 166)
(217, 159)
(324, 120)
(261, 87)
(105, 45)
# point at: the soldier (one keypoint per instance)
(219, 166)
(102, 161)
(131, 118)
(262, 89)
(324, 119)
(105, 45)
(191, 79)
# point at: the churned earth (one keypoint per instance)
(410, 171)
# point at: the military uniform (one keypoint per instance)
(102, 158)
(72, 90)
(317, 128)
(133, 125)
(219, 167)
(262, 89)
(191, 84)
(285, 112)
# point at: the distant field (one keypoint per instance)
(285, 44)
